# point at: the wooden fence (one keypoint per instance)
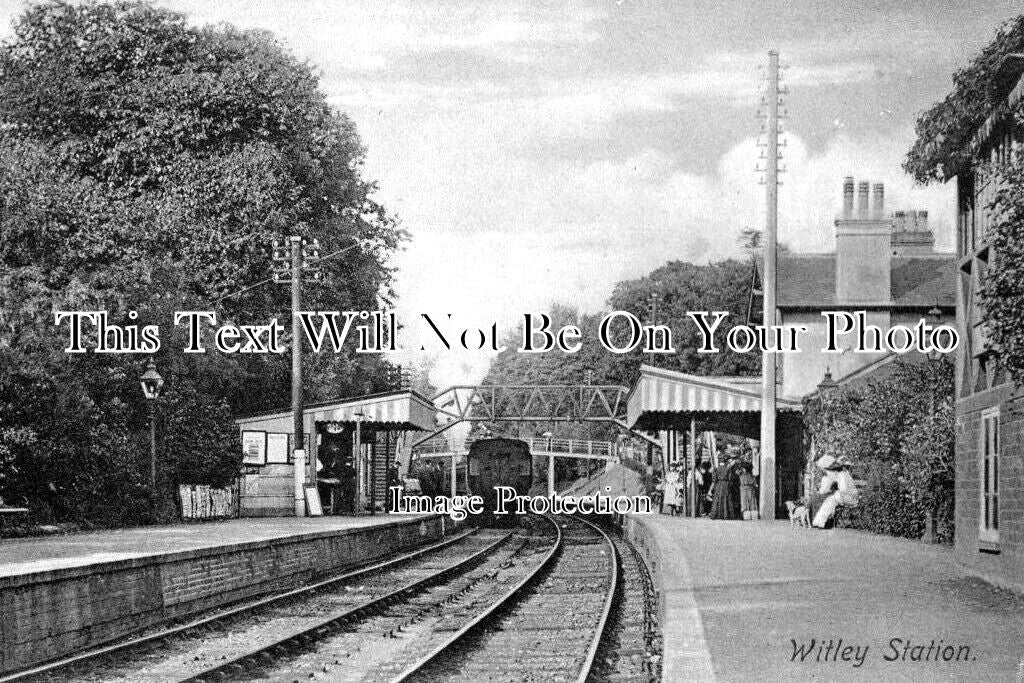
(204, 502)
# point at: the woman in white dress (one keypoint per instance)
(673, 490)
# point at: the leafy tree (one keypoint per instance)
(146, 165)
(667, 294)
(751, 241)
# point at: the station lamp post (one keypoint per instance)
(152, 383)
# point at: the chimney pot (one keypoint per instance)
(912, 220)
(878, 200)
(899, 221)
(848, 196)
(862, 199)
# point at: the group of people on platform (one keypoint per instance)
(728, 491)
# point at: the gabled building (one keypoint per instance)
(989, 451)
(883, 264)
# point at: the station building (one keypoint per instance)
(989, 537)
(349, 443)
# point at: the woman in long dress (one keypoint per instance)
(721, 506)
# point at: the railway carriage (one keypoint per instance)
(499, 462)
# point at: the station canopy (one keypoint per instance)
(393, 410)
(666, 399)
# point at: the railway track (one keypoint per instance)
(631, 650)
(547, 629)
(183, 649)
(547, 601)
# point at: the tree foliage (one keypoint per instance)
(146, 165)
(668, 293)
(944, 131)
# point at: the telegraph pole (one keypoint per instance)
(768, 360)
(289, 264)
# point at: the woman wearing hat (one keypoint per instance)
(837, 483)
(726, 488)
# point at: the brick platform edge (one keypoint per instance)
(50, 614)
(685, 652)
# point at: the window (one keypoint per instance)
(989, 530)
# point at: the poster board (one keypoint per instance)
(313, 501)
(277, 448)
(254, 448)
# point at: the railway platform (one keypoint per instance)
(84, 548)
(62, 593)
(767, 601)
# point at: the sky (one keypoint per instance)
(543, 151)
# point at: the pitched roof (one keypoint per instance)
(809, 281)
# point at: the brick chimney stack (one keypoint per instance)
(911, 235)
(863, 249)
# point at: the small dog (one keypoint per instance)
(799, 515)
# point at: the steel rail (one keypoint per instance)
(418, 667)
(324, 627)
(609, 600)
(231, 613)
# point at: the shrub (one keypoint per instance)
(898, 432)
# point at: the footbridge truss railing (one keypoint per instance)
(533, 403)
(530, 403)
